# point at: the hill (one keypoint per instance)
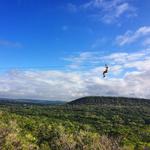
(101, 100)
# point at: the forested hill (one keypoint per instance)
(101, 100)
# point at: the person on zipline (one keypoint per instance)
(105, 71)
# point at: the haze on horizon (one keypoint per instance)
(57, 49)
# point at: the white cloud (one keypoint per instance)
(117, 10)
(121, 9)
(55, 85)
(97, 59)
(130, 37)
(9, 43)
(82, 59)
(122, 80)
(124, 57)
(108, 11)
(139, 65)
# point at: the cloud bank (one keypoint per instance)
(128, 76)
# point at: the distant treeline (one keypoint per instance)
(29, 101)
(101, 100)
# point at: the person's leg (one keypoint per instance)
(103, 74)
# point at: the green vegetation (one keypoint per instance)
(75, 127)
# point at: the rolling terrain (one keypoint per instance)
(88, 123)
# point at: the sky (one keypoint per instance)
(57, 49)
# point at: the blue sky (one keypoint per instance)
(73, 37)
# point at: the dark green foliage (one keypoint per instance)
(115, 101)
